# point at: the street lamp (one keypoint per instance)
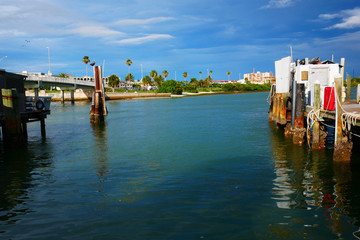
(49, 72)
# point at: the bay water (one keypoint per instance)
(209, 167)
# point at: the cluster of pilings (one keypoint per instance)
(288, 110)
(98, 109)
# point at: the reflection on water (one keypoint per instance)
(310, 180)
(21, 170)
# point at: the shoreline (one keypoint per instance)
(86, 96)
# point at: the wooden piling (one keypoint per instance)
(348, 83)
(98, 109)
(316, 125)
(358, 94)
(338, 123)
(12, 129)
(343, 147)
(299, 106)
(42, 125)
(62, 96)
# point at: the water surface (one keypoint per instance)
(207, 167)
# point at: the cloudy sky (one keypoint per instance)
(177, 36)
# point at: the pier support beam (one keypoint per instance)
(316, 125)
(342, 148)
(72, 97)
(12, 129)
(348, 83)
(36, 93)
(62, 96)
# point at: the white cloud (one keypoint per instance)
(328, 16)
(350, 19)
(92, 29)
(143, 21)
(279, 3)
(141, 40)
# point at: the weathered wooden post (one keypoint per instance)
(338, 121)
(342, 73)
(299, 106)
(343, 147)
(358, 94)
(316, 125)
(98, 109)
(348, 83)
(293, 104)
(12, 129)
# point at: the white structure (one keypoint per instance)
(323, 73)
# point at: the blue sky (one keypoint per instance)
(177, 36)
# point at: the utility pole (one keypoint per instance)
(49, 72)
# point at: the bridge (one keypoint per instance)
(37, 81)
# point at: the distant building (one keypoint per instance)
(259, 77)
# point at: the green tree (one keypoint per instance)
(165, 74)
(153, 74)
(147, 80)
(194, 81)
(171, 86)
(185, 75)
(201, 83)
(129, 77)
(207, 81)
(228, 73)
(86, 60)
(63, 75)
(211, 72)
(113, 81)
(200, 74)
(159, 80)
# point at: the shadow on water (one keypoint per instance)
(22, 169)
(311, 181)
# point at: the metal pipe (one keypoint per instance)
(293, 103)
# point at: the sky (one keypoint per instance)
(178, 36)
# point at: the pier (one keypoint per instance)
(16, 110)
(308, 100)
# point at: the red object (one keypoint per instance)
(329, 98)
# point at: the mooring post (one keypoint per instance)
(348, 83)
(293, 105)
(342, 73)
(338, 122)
(98, 109)
(300, 106)
(316, 125)
(358, 94)
(12, 129)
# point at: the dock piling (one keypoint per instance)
(12, 129)
(348, 83)
(316, 126)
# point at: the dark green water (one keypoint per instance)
(191, 168)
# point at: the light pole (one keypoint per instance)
(49, 72)
(141, 72)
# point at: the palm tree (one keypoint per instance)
(153, 74)
(166, 74)
(228, 73)
(185, 74)
(200, 75)
(129, 62)
(114, 81)
(86, 60)
(146, 80)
